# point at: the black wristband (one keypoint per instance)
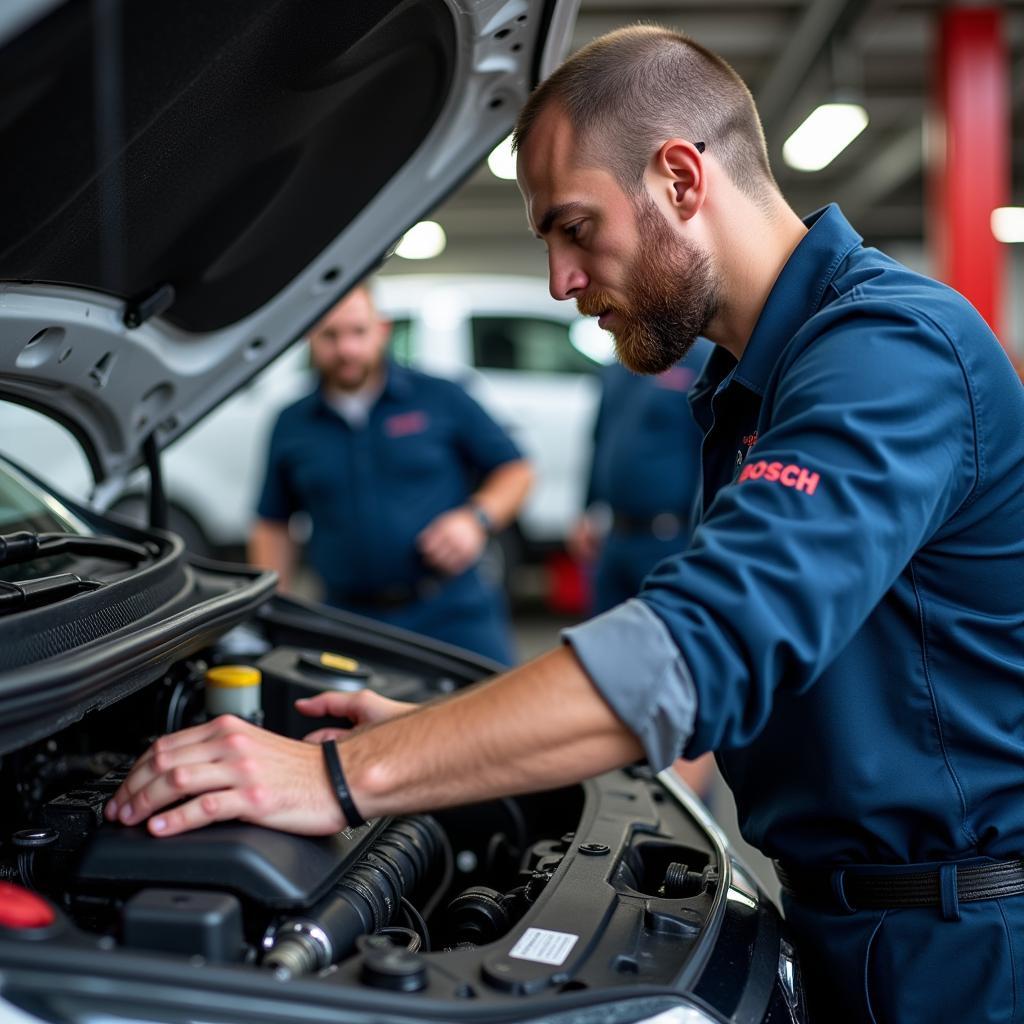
(352, 817)
(482, 518)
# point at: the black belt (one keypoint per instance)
(664, 525)
(390, 598)
(860, 887)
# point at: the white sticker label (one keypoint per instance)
(544, 947)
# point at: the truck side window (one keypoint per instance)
(402, 347)
(530, 344)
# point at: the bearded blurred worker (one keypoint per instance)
(404, 478)
(846, 627)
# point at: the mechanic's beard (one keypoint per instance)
(350, 379)
(672, 297)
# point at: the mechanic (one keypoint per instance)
(846, 628)
(644, 476)
(404, 478)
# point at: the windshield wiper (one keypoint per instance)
(16, 597)
(24, 546)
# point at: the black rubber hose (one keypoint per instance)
(366, 899)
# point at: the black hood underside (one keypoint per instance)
(197, 145)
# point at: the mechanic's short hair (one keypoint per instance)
(626, 92)
(366, 284)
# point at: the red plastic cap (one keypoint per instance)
(20, 908)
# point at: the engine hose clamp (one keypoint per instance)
(391, 872)
(371, 900)
(298, 929)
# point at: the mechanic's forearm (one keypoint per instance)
(537, 727)
(271, 547)
(503, 492)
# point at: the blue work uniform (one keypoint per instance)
(369, 491)
(847, 626)
(645, 471)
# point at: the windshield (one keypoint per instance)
(24, 506)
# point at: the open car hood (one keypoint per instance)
(190, 186)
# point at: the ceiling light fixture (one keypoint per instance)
(502, 160)
(825, 133)
(422, 241)
(1008, 223)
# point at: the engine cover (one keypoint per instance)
(274, 869)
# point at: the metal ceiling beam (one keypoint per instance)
(486, 224)
(796, 59)
(752, 34)
(880, 176)
(902, 158)
(623, 8)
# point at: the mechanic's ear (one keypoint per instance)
(678, 164)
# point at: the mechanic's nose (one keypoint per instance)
(565, 279)
(349, 347)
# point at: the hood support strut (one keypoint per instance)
(157, 497)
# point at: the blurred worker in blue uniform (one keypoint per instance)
(644, 477)
(846, 627)
(404, 478)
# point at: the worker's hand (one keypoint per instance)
(363, 707)
(228, 769)
(584, 541)
(453, 542)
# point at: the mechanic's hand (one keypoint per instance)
(230, 769)
(584, 541)
(453, 541)
(362, 707)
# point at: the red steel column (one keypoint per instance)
(969, 156)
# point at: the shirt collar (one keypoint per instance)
(399, 383)
(794, 298)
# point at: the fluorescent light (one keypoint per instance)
(1008, 223)
(824, 135)
(422, 241)
(502, 160)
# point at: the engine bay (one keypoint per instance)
(607, 883)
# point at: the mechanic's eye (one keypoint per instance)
(575, 232)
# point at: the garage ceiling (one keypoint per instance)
(793, 54)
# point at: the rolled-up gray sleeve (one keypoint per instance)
(631, 658)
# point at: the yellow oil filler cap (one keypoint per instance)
(339, 662)
(233, 676)
(234, 690)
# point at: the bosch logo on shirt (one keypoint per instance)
(406, 423)
(777, 472)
